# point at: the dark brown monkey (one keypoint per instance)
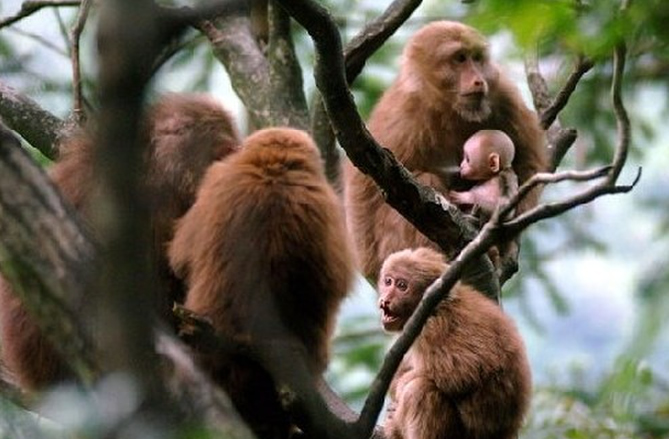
(185, 133)
(447, 90)
(265, 252)
(466, 375)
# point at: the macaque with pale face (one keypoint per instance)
(487, 159)
(467, 375)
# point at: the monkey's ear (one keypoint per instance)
(493, 162)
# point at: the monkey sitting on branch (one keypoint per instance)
(267, 260)
(467, 375)
(486, 161)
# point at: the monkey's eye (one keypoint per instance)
(460, 57)
(402, 285)
(478, 57)
(387, 281)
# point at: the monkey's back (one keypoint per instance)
(476, 356)
(267, 233)
(265, 253)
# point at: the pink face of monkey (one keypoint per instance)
(405, 275)
(477, 163)
(398, 298)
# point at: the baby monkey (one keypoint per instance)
(487, 159)
(466, 375)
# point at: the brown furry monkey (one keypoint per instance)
(265, 253)
(467, 375)
(185, 134)
(447, 89)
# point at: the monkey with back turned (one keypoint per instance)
(266, 257)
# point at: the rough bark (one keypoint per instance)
(46, 255)
(39, 127)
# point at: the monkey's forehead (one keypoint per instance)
(443, 32)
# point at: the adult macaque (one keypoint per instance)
(487, 158)
(267, 260)
(447, 90)
(185, 134)
(466, 375)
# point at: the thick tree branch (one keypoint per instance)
(234, 45)
(258, 77)
(126, 296)
(356, 54)
(52, 279)
(285, 74)
(39, 127)
(198, 394)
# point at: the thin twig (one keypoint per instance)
(548, 116)
(622, 119)
(39, 39)
(30, 7)
(75, 35)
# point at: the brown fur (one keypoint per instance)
(424, 118)
(186, 133)
(467, 375)
(265, 252)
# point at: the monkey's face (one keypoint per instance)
(477, 164)
(471, 74)
(453, 63)
(397, 300)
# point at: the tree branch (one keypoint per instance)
(285, 74)
(75, 35)
(234, 45)
(39, 127)
(356, 54)
(549, 114)
(198, 394)
(31, 207)
(30, 7)
(560, 139)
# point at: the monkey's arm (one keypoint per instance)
(484, 195)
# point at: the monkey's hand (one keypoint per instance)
(460, 198)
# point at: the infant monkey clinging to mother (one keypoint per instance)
(487, 158)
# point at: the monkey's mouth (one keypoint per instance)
(473, 107)
(391, 321)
